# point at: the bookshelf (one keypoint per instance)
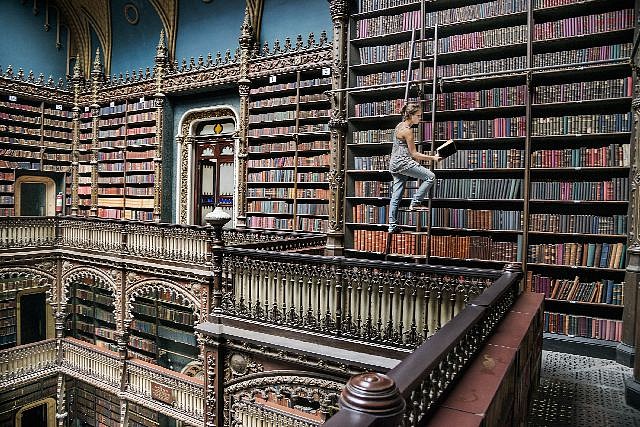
(537, 96)
(162, 331)
(34, 136)
(92, 308)
(92, 406)
(288, 161)
(123, 155)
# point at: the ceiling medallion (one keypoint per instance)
(131, 13)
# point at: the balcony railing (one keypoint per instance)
(156, 241)
(424, 377)
(27, 362)
(91, 363)
(384, 302)
(174, 394)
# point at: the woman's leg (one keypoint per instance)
(427, 178)
(397, 188)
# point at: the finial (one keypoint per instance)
(161, 49)
(97, 64)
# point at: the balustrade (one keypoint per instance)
(27, 232)
(80, 359)
(248, 413)
(180, 395)
(391, 303)
(27, 361)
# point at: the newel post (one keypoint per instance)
(371, 400)
(216, 219)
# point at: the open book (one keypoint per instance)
(447, 149)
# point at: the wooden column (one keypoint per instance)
(337, 126)
(159, 100)
(97, 78)
(77, 82)
(246, 40)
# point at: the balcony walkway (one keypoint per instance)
(581, 391)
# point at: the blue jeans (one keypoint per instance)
(397, 188)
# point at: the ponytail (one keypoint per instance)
(409, 109)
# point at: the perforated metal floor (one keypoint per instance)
(581, 391)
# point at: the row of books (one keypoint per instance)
(474, 247)
(475, 188)
(379, 108)
(600, 255)
(383, 53)
(615, 189)
(583, 326)
(486, 128)
(581, 25)
(602, 292)
(372, 162)
(582, 124)
(576, 223)
(21, 118)
(582, 91)
(269, 222)
(483, 219)
(613, 155)
(265, 206)
(373, 5)
(313, 225)
(380, 25)
(495, 97)
(483, 39)
(487, 158)
(387, 77)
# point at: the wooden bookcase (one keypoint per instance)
(93, 320)
(34, 136)
(537, 96)
(288, 161)
(92, 406)
(162, 331)
(124, 159)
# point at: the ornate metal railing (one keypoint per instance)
(27, 232)
(384, 302)
(91, 363)
(26, 362)
(423, 377)
(169, 392)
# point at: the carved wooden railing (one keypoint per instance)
(385, 302)
(423, 377)
(169, 392)
(91, 363)
(158, 241)
(27, 362)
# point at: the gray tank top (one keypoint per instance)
(401, 159)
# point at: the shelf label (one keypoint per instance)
(13, 98)
(112, 104)
(272, 79)
(326, 71)
(59, 107)
(86, 109)
(142, 99)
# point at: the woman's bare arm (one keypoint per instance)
(406, 134)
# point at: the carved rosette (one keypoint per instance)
(237, 365)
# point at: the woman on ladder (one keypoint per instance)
(404, 164)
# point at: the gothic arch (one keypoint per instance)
(144, 286)
(45, 279)
(103, 280)
(185, 149)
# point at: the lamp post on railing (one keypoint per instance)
(217, 219)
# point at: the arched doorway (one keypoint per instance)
(207, 145)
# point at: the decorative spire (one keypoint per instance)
(97, 65)
(77, 72)
(246, 30)
(161, 49)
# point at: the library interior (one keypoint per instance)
(196, 222)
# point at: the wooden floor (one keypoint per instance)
(581, 391)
